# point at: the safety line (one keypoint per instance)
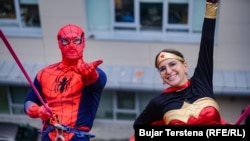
(7, 44)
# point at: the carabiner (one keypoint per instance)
(59, 132)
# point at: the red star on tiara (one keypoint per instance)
(162, 56)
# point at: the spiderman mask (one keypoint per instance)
(71, 42)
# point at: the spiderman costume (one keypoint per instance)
(192, 103)
(71, 89)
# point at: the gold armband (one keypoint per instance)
(211, 10)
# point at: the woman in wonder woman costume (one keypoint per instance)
(71, 90)
(186, 101)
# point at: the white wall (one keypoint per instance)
(231, 51)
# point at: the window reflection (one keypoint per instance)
(106, 105)
(151, 16)
(18, 94)
(125, 100)
(7, 9)
(124, 11)
(24, 14)
(17, 97)
(4, 103)
(30, 15)
(178, 13)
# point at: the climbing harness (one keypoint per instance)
(60, 129)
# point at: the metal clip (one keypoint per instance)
(59, 132)
(53, 120)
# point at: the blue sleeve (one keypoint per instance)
(32, 96)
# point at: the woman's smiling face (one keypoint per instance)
(173, 72)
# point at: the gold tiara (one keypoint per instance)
(166, 55)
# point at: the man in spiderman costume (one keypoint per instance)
(71, 90)
(187, 101)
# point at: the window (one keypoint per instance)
(105, 110)
(125, 105)
(17, 97)
(12, 99)
(118, 105)
(20, 17)
(161, 20)
(144, 97)
(151, 16)
(4, 105)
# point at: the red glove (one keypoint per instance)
(35, 111)
(88, 71)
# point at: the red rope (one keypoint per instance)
(23, 70)
(243, 115)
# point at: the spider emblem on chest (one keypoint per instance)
(62, 83)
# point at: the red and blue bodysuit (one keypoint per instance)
(195, 104)
(71, 88)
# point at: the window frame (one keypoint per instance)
(14, 90)
(112, 34)
(14, 107)
(20, 30)
(133, 111)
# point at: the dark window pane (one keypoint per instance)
(7, 9)
(144, 98)
(124, 11)
(30, 15)
(105, 110)
(4, 104)
(178, 13)
(125, 100)
(18, 94)
(151, 16)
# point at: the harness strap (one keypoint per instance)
(67, 129)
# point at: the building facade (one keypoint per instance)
(126, 35)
